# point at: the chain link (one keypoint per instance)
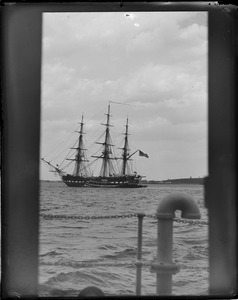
(151, 216)
(131, 215)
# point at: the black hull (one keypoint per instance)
(75, 184)
(106, 182)
(122, 186)
(74, 181)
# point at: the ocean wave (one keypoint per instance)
(51, 254)
(122, 254)
(45, 209)
(81, 277)
(73, 227)
(126, 292)
(107, 247)
(192, 256)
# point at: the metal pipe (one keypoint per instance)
(164, 254)
(164, 266)
(178, 201)
(139, 254)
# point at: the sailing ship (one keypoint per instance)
(108, 177)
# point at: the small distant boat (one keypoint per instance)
(81, 177)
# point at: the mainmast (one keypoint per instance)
(79, 157)
(107, 168)
(125, 149)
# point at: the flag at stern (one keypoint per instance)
(143, 154)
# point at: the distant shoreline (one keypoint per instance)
(176, 181)
(190, 180)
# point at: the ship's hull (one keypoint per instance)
(103, 182)
(75, 184)
(116, 185)
(74, 181)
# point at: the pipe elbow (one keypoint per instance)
(178, 201)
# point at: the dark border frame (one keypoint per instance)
(21, 70)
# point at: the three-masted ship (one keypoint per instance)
(108, 176)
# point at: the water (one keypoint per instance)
(66, 243)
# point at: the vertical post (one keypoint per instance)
(139, 254)
(164, 254)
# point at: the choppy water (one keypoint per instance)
(66, 243)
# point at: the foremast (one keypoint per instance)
(107, 168)
(80, 153)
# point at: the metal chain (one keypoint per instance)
(131, 215)
(50, 216)
(191, 222)
(79, 265)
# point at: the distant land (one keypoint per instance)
(189, 180)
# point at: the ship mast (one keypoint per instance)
(125, 149)
(79, 157)
(107, 168)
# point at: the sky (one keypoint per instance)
(152, 66)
